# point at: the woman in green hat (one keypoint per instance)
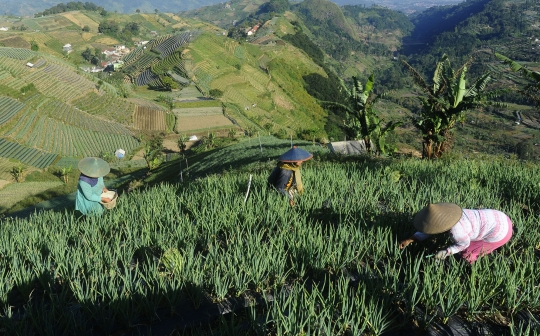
(286, 177)
(474, 232)
(91, 186)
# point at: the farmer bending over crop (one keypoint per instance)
(91, 186)
(286, 177)
(474, 232)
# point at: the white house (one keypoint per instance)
(4, 28)
(30, 65)
(67, 48)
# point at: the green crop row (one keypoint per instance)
(332, 264)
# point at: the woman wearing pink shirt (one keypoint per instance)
(474, 232)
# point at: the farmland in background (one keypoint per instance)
(16, 192)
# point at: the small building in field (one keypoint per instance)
(4, 28)
(118, 64)
(254, 29)
(67, 48)
(350, 147)
(30, 65)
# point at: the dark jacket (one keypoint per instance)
(279, 179)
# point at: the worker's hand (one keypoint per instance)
(105, 200)
(405, 243)
(441, 255)
(291, 202)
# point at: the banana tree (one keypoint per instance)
(445, 102)
(530, 90)
(362, 121)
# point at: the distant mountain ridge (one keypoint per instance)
(29, 8)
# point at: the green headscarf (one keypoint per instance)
(296, 174)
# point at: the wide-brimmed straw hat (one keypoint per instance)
(295, 154)
(94, 167)
(437, 218)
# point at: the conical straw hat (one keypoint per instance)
(295, 154)
(94, 167)
(437, 218)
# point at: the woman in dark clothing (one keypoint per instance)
(286, 177)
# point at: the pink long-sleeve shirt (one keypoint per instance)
(475, 225)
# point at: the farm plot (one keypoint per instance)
(168, 46)
(53, 136)
(67, 75)
(6, 165)
(30, 156)
(199, 118)
(14, 66)
(198, 111)
(81, 20)
(185, 124)
(145, 103)
(149, 119)
(53, 22)
(16, 192)
(112, 108)
(189, 93)
(60, 82)
(75, 117)
(332, 271)
(8, 108)
(17, 53)
(39, 37)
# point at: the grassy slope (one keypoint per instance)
(275, 100)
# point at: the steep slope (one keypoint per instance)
(261, 87)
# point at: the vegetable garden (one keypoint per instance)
(108, 106)
(38, 130)
(149, 119)
(329, 266)
(30, 156)
(8, 108)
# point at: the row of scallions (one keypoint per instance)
(320, 270)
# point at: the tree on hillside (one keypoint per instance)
(362, 121)
(153, 146)
(531, 90)
(34, 46)
(169, 83)
(86, 28)
(445, 102)
(138, 11)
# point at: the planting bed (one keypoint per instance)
(331, 265)
(16, 192)
(185, 124)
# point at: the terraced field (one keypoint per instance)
(6, 165)
(37, 130)
(81, 20)
(16, 192)
(111, 107)
(149, 119)
(30, 156)
(8, 108)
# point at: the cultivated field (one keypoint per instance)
(16, 192)
(81, 20)
(187, 124)
(149, 119)
(329, 266)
